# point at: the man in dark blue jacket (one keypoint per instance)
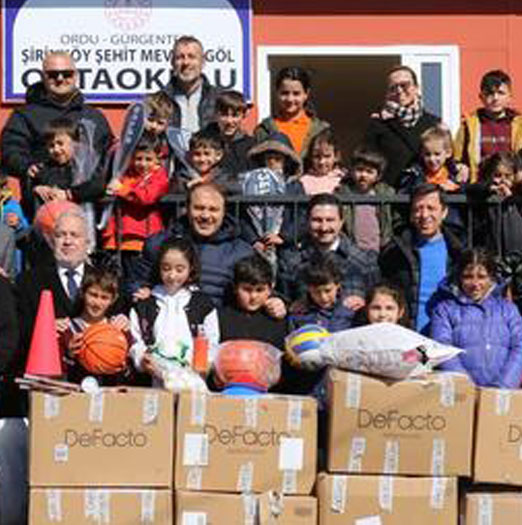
(215, 236)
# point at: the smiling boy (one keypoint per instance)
(492, 128)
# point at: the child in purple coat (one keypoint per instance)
(473, 314)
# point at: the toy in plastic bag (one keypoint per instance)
(385, 349)
(251, 364)
(180, 379)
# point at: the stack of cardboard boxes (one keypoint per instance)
(102, 458)
(229, 450)
(394, 453)
(379, 433)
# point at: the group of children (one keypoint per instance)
(301, 154)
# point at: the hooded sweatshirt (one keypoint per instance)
(490, 332)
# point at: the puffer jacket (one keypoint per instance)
(22, 138)
(217, 256)
(490, 331)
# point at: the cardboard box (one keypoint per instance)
(108, 439)
(252, 444)
(422, 428)
(498, 440)
(88, 506)
(386, 500)
(488, 508)
(225, 509)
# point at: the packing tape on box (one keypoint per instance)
(339, 494)
(438, 457)
(289, 482)
(148, 506)
(54, 504)
(51, 406)
(97, 505)
(503, 402)
(194, 518)
(198, 411)
(485, 510)
(353, 391)
(447, 390)
(249, 509)
(194, 478)
(245, 476)
(250, 412)
(391, 457)
(386, 493)
(61, 453)
(357, 450)
(96, 402)
(369, 520)
(438, 493)
(150, 408)
(195, 450)
(295, 415)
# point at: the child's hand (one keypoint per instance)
(59, 194)
(75, 344)
(502, 190)
(12, 220)
(462, 173)
(275, 307)
(141, 293)
(121, 322)
(113, 187)
(195, 180)
(147, 365)
(259, 246)
(354, 302)
(33, 170)
(46, 193)
(62, 324)
(449, 186)
(272, 239)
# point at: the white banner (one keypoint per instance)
(123, 48)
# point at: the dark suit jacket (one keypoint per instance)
(30, 286)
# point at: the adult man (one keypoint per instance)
(325, 223)
(396, 129)
(215, 236)
(63, 275)
(57, 95)
(193, 97)
(418, 257)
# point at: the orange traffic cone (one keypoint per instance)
(44, 354)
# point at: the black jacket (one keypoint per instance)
(399, 264)
(207, 104)
(400, 145)
(22, 138)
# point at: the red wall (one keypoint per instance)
(489, 36)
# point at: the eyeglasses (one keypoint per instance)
(54, 74)
(404, 86)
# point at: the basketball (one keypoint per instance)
(303, 346)
(104, 349)
(47, 214)
(244, 361)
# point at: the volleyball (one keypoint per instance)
(104, 349)
(303, 346)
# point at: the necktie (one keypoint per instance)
(72, 286)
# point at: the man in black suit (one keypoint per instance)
(63, 276)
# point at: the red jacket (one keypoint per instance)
(140, 213)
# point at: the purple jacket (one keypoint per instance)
(490, 331)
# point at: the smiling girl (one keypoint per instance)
(294, 115)
(472, 313)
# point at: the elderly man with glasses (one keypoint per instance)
(396, 128)
(56, 95)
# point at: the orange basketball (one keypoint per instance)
(47, 214)
(105, 349)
